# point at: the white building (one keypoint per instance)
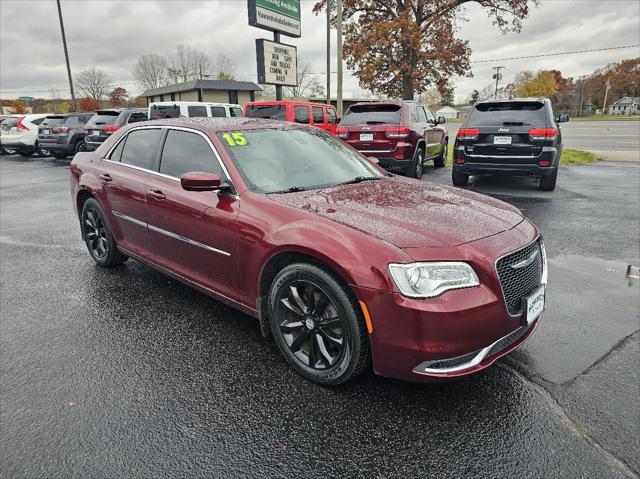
(448, 112)
(628, 105)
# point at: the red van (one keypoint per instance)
(317, 114)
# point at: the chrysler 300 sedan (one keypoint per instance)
(345, 265)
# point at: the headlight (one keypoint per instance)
(426, 280)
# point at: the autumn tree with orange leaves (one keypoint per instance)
(407, 46)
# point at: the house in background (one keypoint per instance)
(628, 105)
(214, 91)
(449, 112)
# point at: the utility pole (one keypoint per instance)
(582, 78)
(498, 77)
(66, 57)
(339, 51)
(604, 104)
(328, 52)
(276, 38)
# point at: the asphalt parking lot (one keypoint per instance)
(126, 373)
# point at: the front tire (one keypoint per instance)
(441, 160)
(317, 325)
(98, 236)
(459, 179)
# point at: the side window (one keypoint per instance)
(332, 117)
(318, 114)
(422, 116)
(414, 114)
(184, 152)
(218, 112)
(137, 116)
(38, 121)
(139, 148)
(236, 112)
(197, 110)
(117, 152)
(430, 117)
(301, 114)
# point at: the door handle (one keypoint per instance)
(106, 177)
(157, 194)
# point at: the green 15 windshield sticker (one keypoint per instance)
(235, 139)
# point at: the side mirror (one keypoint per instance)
(441, 120)
(373, 160)
(563, 118)
(201, 181)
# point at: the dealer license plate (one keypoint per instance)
(46, 132)
(534, 305)
(95, 132)
(501, 140)
(366, 136)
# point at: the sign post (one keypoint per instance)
(277, 62)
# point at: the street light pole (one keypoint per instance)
(276, 38)
(339, 51)
(582, 78)
(66, 57)
(604, 104)
(328, 52)
(497, 76)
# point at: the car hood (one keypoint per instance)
(408, 213)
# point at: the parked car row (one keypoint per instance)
(502, 137)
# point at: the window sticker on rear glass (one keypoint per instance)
(235, 139)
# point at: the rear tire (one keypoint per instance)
(8, 151)
(80, 146)
(317, 326)
(98, 236)
(417, 165)
(59, 155)
(548, 183)
(459, 179)
(441, 160)
(26, 152)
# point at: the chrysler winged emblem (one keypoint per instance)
(526, 262)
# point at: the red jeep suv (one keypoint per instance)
(399, 134)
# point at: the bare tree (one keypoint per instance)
(186, 63)
(308, 85)
(225, 68)
(93, 83)
(151, 71)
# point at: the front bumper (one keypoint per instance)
(455, 334)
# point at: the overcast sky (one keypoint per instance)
(112, 34)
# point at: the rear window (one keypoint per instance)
(508, 113)
(9, 122)
(372, 115)
(167, 111)
(51, 121)
(104, 118)
(274, 112)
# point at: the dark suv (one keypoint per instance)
(399, 134)
(63, 135)
(509, 137)
(105, 122)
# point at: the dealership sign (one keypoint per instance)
(276, 63)
(277, 15)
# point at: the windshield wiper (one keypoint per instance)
(293, 189)
(360, 179)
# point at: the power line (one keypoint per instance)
(555, 54)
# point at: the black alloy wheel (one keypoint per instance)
(98, 236)
(316, 325)
(441, 159)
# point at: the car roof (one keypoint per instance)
(286, 102)
(120, 110)
(513, 100)
(384, 102)
(214, 125)
(187, 103)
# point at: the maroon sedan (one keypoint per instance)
(343, 263)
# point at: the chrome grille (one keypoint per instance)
(518, 282)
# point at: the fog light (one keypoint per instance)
(544, 163)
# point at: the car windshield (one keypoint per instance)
(282, 160)
(104, 118)
(508, 113)
(274, 112)
(371, 115)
